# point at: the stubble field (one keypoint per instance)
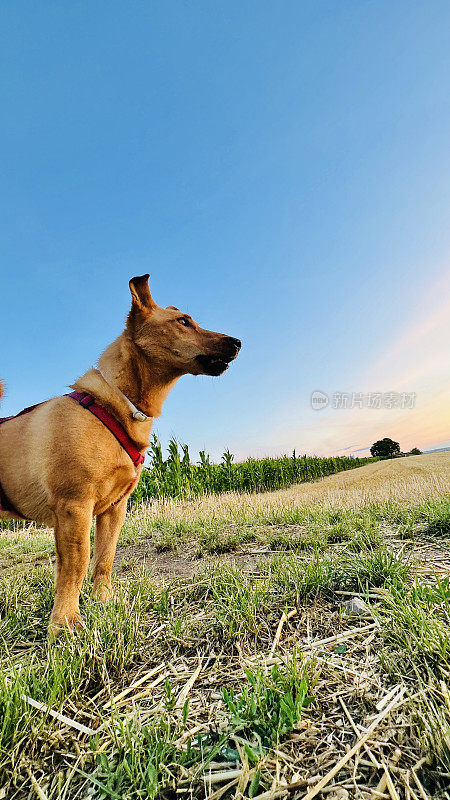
(227, 665)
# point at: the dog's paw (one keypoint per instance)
(67, 624)
(102, 593)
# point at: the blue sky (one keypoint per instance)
(280, 169)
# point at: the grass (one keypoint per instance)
(416, 633)
(234, 681)
(269, 705)
(220, 610)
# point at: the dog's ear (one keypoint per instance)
(140, 293)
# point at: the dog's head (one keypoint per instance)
(172, 339)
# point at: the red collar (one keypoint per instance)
(87, 401)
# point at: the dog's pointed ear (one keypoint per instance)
(140, 293)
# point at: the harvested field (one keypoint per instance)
(227, 666)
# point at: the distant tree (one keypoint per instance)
(385, 448)
(415, 452)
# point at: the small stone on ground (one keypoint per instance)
(356, 607)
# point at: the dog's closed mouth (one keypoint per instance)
(212, 365)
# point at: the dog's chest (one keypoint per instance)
(129, 488)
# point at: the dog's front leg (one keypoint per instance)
(72, 560)
(107, 532)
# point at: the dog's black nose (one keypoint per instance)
(237, 342)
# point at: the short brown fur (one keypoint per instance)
(60, 466)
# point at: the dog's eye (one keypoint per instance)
(184, 321)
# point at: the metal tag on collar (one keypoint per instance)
(140, 416)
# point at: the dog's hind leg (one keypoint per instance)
(106, 534)
(72, 560)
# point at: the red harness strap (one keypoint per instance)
(24, 411)
(87, 401)
(110, 422)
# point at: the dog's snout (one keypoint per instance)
(235, 342)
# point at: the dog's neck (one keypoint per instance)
(144, 384)
(135, 412)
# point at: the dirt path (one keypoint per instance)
(184, 563)
(431, 557)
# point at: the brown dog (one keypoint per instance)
(60, 466)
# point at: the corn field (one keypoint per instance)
(178, 476)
